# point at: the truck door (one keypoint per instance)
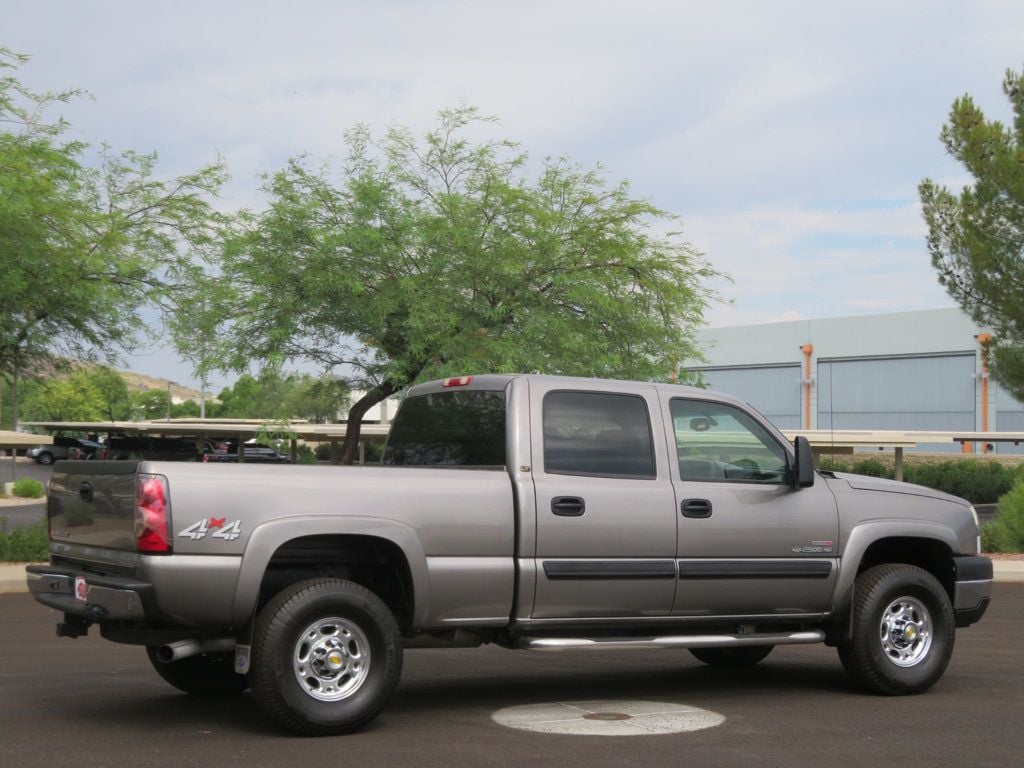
(606, 529)
(749, 542)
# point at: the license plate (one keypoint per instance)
(81, 589)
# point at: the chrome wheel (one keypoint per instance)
(906, 632)
(331, 659)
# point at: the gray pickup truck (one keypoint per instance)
(535, 512)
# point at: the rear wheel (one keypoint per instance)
(327, 656)
(45, 458)
(732, 658)
(205, 674)
(903, 631)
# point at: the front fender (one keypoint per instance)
(267, 538)
(865, 534)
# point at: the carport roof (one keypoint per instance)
(211, 428)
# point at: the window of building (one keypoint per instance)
(598, 434)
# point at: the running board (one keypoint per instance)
(671, 641)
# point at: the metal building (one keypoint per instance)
(924, 370)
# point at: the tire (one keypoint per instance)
(732, 658)
(903, 631)
(327, 655)
(45, 458)
(207, 675)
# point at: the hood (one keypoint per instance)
(865, 483)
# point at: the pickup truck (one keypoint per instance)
(534, 512)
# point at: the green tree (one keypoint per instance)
(116, 404)
(976, 238)
(317, 399)
(444, 256)
(74, 397)
(82, 249)
(151, 404)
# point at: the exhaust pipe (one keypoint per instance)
(182, 649)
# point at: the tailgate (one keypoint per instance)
(93, 503)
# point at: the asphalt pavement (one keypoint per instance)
(89, 702)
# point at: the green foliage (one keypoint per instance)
(114, 401)
(980, 482)
(151, 404)
(872, 468)
(186, 410)
(306, 455)
(84, 248)
(24, 545)
(1006, 532)
(74, 397)
(439, 257)
(28, 488)
(976, 238)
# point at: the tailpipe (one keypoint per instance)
(182, 649)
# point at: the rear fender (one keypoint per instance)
(266, 539)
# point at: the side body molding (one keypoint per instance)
(864, 535)
(268, 537)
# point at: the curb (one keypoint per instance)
(12, 575)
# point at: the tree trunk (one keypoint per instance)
(354, 425)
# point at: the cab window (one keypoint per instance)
(597, 434)
(717, 442)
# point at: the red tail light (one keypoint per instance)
(457, 381)
(152, 514)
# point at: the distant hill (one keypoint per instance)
(138, 382)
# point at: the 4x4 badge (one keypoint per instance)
(217, 527)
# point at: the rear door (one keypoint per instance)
(606, 530)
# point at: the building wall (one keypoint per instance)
(907, 370)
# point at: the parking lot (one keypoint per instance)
(89, 702)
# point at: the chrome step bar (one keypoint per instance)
(667, 642)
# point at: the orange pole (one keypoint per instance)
(807, 349)
(983, 340)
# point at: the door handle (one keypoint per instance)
(696, 508)
(568, 506)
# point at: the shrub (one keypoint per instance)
(28, 488)
(323, 452)
(306, 455)
(23, 545)
(980, 482)
(872, 468)
(1006, 532)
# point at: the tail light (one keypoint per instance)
(457, 381)
(152, 514)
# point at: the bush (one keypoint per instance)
(872, 468)
(306, 455)
(28, 488)
(1006, 532)
(24, 545)
(323, 452)
(980, 482)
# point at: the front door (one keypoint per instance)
(749, 542)
(606, 528)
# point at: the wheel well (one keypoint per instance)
(929, 554)
(375, 563)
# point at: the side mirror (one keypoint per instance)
(803, 472)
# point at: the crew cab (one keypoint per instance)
(541, 513)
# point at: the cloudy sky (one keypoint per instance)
(789, 137)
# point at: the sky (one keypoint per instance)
(789, 137)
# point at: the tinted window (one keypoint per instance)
(718, 442)
(461, 427)
(592, 433)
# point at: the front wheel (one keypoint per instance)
(732, 658)
(903, 631)
(327, 655)
(45, 458)
(205, 674)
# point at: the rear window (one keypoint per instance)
(461, 428)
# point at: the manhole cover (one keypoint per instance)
(608, 718)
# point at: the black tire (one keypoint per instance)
(297, 623)
(732, 658)
(896, 662)
(206, 674)
(45, 458)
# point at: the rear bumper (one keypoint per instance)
(972, 588)
(100, 598)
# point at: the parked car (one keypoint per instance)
(254, 453)
(66, 448)
(121, 447)
(533, 512)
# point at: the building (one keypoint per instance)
(923, 370)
